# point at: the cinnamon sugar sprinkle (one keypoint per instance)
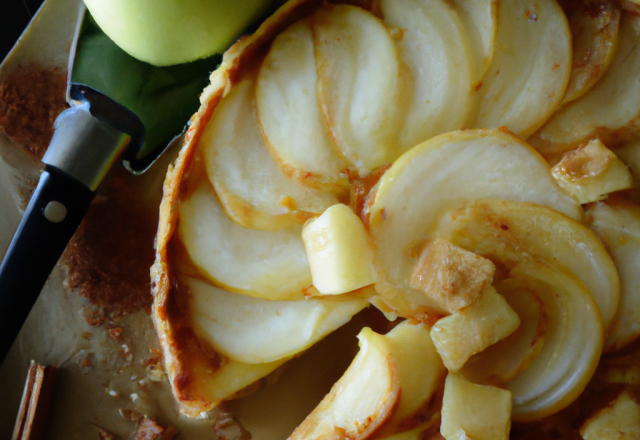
(31, 99)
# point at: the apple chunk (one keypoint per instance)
(619, 420)
(290, 115)
(358, 84)
(452, 277)
(266, 264)
(253, 191)
(471, 411)
(256, 331)
(338, 250)
(437, 68)
(423, 184)
(459, 336)
(361, 400)
(591, 172)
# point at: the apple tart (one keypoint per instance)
(382, 153)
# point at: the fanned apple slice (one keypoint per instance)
(572, 349)
(610, 109)
(290, 116)
(232, 377)
(253, 191)
(480, 21)
(499, 363)
(595, 38)
(425, 182)
(258, 331)
(437, 71)
(361, 400)
(618, 226)
(420, 372)
(358, 84)
(266, 264)
(530, 69)
(512, 232)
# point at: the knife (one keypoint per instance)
(121, 109)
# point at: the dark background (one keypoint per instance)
(14, 18)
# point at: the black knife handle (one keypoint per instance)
(55, 211)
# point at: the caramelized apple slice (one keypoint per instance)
(595, 38)
(290, 115)
(361, 400)
(480, 21)
(267, 264)
(530, 69)
(257, 331)
(611, 108)
(438, 73)
(618, 420)
(420, 372)
(511, 232)
(358, 84)
(618, 226)
(425, 182)
(251, 188)
(571, 351)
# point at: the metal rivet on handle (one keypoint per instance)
(55, 211)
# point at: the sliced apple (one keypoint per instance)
(471, 411)
(610, 109)
(438, 68)
(459, 336)
(253, 191)
(572, 348)
(361, 400)
(499, 363)
(258, 331)
(530, 69)
(232, 378)
(618, 226)
(480, 21)
(358, 84)
(511, 232)
(290, 115)
(629, 153)
(266, 264)
(338, 250)
(417, 433)
(595, 39)
(425, 182)
(420, 372)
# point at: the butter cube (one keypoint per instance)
(338, 250)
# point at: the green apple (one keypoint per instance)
(166, 32)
